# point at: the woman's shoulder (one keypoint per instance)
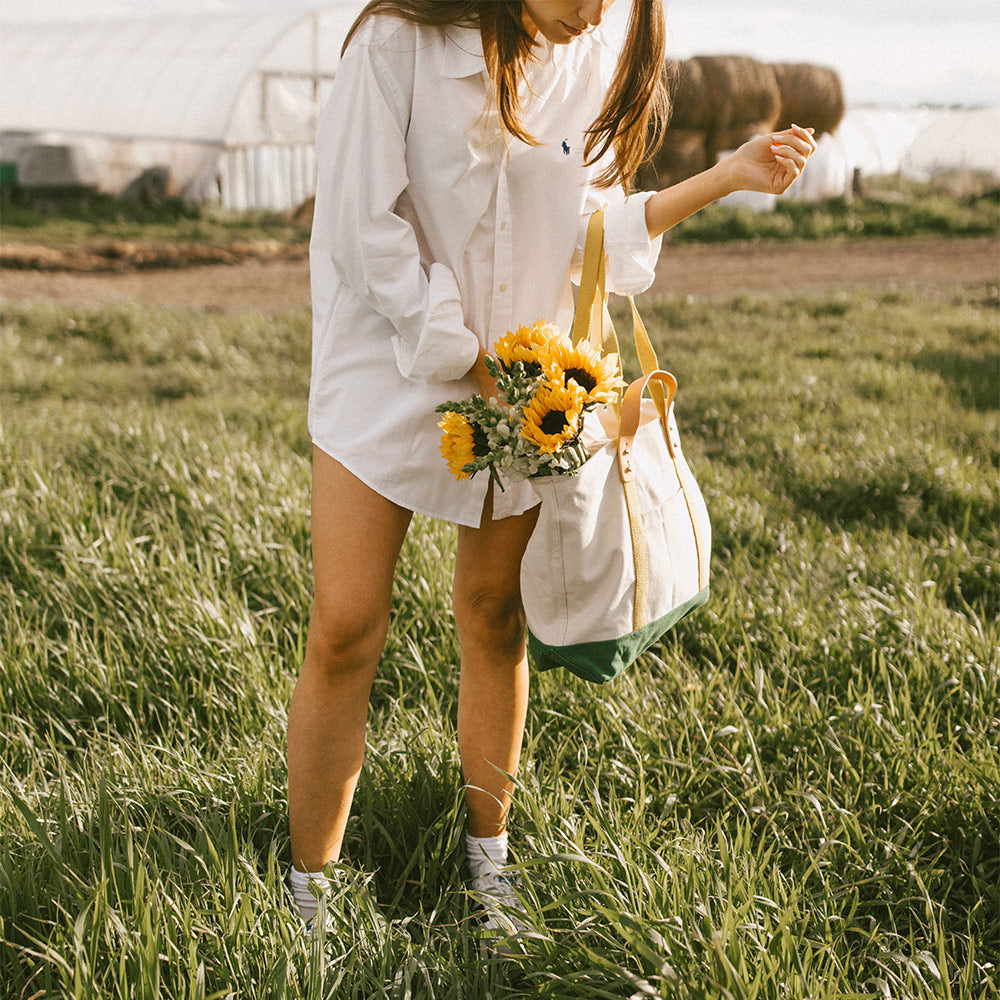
(431, 51)
(378, 30)
(394, 34)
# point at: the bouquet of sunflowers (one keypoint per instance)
(545, 385)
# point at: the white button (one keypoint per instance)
(503, 288)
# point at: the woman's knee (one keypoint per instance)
(345, 639)
(489, 616)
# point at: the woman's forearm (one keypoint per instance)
(673, 204)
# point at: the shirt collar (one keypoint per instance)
(463, 53)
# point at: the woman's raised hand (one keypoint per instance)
(770, 162)
(766, 163)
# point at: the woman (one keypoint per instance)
(463, 148)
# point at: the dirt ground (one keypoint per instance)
(699, 270)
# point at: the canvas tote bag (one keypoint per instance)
(620, 552)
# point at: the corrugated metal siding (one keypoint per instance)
(267, 177)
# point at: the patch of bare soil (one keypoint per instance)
(123, 255)
(277, 283)
(706, 269)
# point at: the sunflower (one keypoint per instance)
(552, 418)
(565, 362)
(461, 443)
(525, 344)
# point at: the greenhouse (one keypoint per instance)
(222, 104)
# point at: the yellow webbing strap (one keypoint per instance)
(593, 259)
(602, 334)
(628, 428)
(630, 419)
(700, 542)
(593, 321)
(648, 360)
(640, 558)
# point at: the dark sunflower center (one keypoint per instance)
(584, 379)
(480, 443)
(554, 422)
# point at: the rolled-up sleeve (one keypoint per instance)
(630, 254)
(444, 349)
(361, 166)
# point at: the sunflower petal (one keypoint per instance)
(599, 377)
(552, 418)
(457, 443)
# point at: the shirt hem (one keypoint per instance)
(385, 494)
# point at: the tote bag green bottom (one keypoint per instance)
(602, 660)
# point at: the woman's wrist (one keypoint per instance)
(724, 178)
(673, 204)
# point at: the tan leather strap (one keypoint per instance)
(631, 412)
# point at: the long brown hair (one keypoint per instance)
(636, 107)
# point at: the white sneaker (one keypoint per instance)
(310, 894)
(496, 896)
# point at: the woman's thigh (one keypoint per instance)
(488, 565)
(356, 538)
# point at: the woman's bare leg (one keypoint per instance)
(356, 538)
(493, 686)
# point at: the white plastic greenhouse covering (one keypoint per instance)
(918, 143)
(228, 102)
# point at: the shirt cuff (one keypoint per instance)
(630, 254)
(445, 349)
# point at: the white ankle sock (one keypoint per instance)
(299, 882)
(485, 854)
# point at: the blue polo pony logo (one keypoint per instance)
(566, 148)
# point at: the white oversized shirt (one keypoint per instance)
(435, 233)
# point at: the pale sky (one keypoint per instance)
(899, 52)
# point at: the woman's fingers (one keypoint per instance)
(792, 147)
(788, 154)
(791, 171)
(808, 134)
(787, 150)
(795, 143)
(797, 138)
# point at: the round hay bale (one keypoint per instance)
(740, 90)
(809, 96)
(713, 100)
(690, 102)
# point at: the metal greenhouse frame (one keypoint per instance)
(225, 102)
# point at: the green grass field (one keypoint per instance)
(891, 207)
(796, 796)
(959, 204)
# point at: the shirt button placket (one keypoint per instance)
(503, 262)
